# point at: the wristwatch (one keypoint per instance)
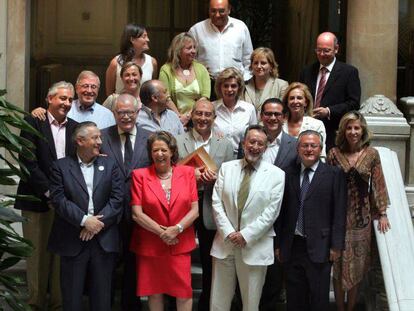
(180, 228)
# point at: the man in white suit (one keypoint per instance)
(246, 202)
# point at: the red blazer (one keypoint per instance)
(147, 192)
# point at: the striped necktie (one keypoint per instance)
(300, 224)
(321, 87)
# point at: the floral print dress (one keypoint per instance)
(367, 197)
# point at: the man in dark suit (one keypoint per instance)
(282, 152)
(87, 193)
(220, 150)
(282, 148)
(311, 226)
(57, 129)
(127, 144)
(334, 85)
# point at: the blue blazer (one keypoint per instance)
(69, 195)
(324, 212)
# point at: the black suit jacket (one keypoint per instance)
(70, 198)
(324, 212)
(38, 182)
(342, 93)
(111, 145)
(287, 154)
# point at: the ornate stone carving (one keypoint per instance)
(380, 105)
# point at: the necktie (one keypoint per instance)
(244, 190)
(127, 151)
(300, 224)
(321, 87)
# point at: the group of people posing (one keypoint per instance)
(296, 189)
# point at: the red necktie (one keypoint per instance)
(322, 83)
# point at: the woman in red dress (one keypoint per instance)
(164, 206)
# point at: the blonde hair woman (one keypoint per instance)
(265, 82)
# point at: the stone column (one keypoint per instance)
(372, 45)
(407, 104)
(17, 51)
(3, 38)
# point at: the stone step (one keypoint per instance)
(196, 275)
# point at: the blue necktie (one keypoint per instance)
(300, 224)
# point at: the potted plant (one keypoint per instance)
(13, 247)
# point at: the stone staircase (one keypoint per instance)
(20, 268)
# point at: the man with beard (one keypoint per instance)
(246, 202)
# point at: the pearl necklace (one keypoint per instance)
(165, 177)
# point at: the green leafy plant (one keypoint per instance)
(13, 247)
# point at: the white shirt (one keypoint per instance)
(147, 70)
(272, 150)
(233, 124)
(310, 173)
(327, 74)
(132, 136)
(199, 141)
(218, 50)
(88, 172)
(96, 113)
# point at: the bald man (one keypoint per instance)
(220, 150)
(334, 85)
(223, 41)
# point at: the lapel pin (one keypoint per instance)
(101, 168)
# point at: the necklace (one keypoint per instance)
(186, 72)
(165, 177)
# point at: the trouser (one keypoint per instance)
(272, 287)
(205, 240)
(307, 282)
(129, 299)
(43, 267)
(96, 264)
(225, 274)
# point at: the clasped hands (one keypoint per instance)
(169, 235)
(237, 239)
(92, 226)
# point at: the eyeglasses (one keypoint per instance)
(220, 11)
(92, 86)
(124, 113)
(323, 51)
(272, 113)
